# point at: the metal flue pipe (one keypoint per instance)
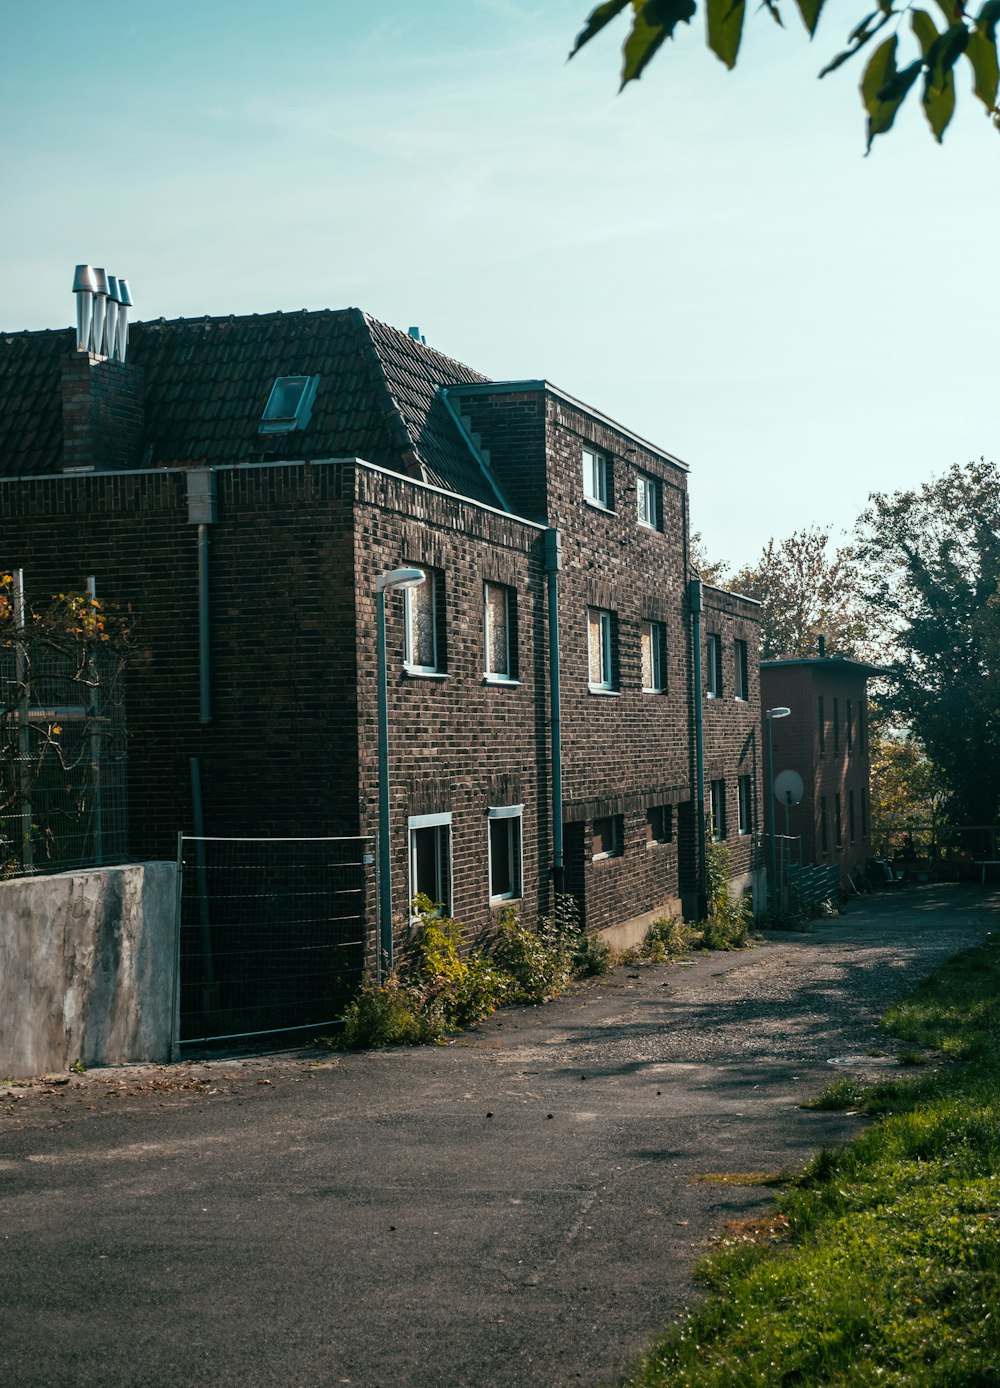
(100, 310)
(111, 321)
(84, 287)
(124, 304)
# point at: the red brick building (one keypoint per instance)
(825, 740)
(242, 482)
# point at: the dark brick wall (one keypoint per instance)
(731, 725)
(279, 756)
(511, 425)
(835, 770)
(103, 412)
(457, 744)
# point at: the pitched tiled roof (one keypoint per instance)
(207, 381)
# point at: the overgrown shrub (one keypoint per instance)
(729, 920)
(388, 1014)
(667, 938)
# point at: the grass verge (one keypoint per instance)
(882, 1264)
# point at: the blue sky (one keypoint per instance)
(708, 257)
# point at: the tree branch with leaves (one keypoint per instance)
(935, 48)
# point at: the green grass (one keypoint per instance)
(882, 1264)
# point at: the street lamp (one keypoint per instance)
(397, 578)
(772, 871)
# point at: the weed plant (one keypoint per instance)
(882, 1265)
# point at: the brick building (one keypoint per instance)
(825, 740)
(242, 482)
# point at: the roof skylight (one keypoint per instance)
(289, 405)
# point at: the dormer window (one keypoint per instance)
(289, 405)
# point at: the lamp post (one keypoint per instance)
(772, 871)
(397, 578)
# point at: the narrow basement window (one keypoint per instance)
(289, 406)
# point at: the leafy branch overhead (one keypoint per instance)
(935, 48)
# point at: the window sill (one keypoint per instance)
(654, 691)
(604, 857)
(501, 679)
(596, 505)
(709, 695)
(496, 901)
(740, 699)
(658, 843)
(413, 672)
(604, 693)
(646, 525)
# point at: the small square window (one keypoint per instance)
(718, 804)
(742, 670)
(824, 826)
(648, 501)
(505, 852)
(608, 835)
(289, 406)
(659, 824)
(653, 638)
(596, 479)
(745, 788)
(600, 650)
(713, 672)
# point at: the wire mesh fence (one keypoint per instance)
(63, 788)
(272, 933)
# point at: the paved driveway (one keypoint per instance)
(518, 1208)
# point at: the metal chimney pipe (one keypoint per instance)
(100, 310)
(111, 322)
(84, 286)
(124, 304)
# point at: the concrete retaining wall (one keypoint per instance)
(86, 968)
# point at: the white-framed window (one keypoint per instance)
(430, 857)
(659, 824)
(422, 652)
(713, 664)
(505, 851)
(600, 649)
(718, 804)
(608, 837)
(742, 663)
(596, 478)
(499, 632)
(648, 506)
(653, 640)
(745, 788)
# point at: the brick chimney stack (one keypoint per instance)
(102, 396)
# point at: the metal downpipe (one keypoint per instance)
(553, 563)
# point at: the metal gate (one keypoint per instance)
(271, 933)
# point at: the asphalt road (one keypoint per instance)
(521, 1207)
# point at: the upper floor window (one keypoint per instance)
(742, 670)
(713, 671)
(289, 406)
(596, 478)
(850, 726)
(600, 643)
(500, 631)
(653, 638)
(822, 727)
(648, 501)
(423, 647)
(836, 725)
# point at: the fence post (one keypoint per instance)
(175, 1000)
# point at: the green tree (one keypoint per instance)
(931, 559)
(805, 591)
(906, 789)
(934, 48)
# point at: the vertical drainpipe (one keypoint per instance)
(94, 709)
(202, 512)
(694, 590)
(553, 563)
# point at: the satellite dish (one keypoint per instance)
(788, 788)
